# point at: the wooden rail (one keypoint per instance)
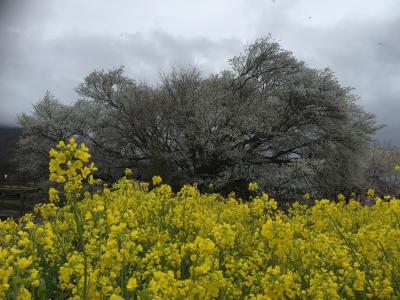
(16, 196)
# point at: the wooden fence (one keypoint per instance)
(17, 200)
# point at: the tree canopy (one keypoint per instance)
(270, 119)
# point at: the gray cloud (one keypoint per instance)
(60, 64)
(363, 52)
(53, 45)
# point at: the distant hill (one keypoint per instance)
(8, 140)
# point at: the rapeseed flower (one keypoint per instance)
(156, 180)
(132, 284)
(126, 241)
(253, 186)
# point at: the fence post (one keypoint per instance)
(21, 203)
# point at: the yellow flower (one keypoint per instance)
(84, 148)
(128, 172)
(34, 278)
(77, 164)
(267, 230)
(341, 197)
(24, 294)
(61, 144)
(253, 186)
(397, 168)
(24, 262)
(72, 143)
(85, 172)
(64, 275)
(272, 204)
(116, 297)
(132, 283)
(82, 155)
(61, 158)
(307, 196)
(53, 153)
(60, 179)
(53, 165)
(30, 225)
(371, 192)
(359, 280)
(156, 180)
(188, 245)
(93, 181)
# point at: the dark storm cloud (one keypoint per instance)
(364, 54)
(60, 64)
(53, 45)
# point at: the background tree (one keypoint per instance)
(379, 171)
(49, 122)
(9, 137)
(269, 119)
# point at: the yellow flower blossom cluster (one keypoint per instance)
(69, 166)
(253, 186)
(128, 242)
(156, 180)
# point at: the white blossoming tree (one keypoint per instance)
(270, 119)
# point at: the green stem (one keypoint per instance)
(81, 243)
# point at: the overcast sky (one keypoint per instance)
(52, 45)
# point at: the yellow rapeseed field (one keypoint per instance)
(129, 241)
